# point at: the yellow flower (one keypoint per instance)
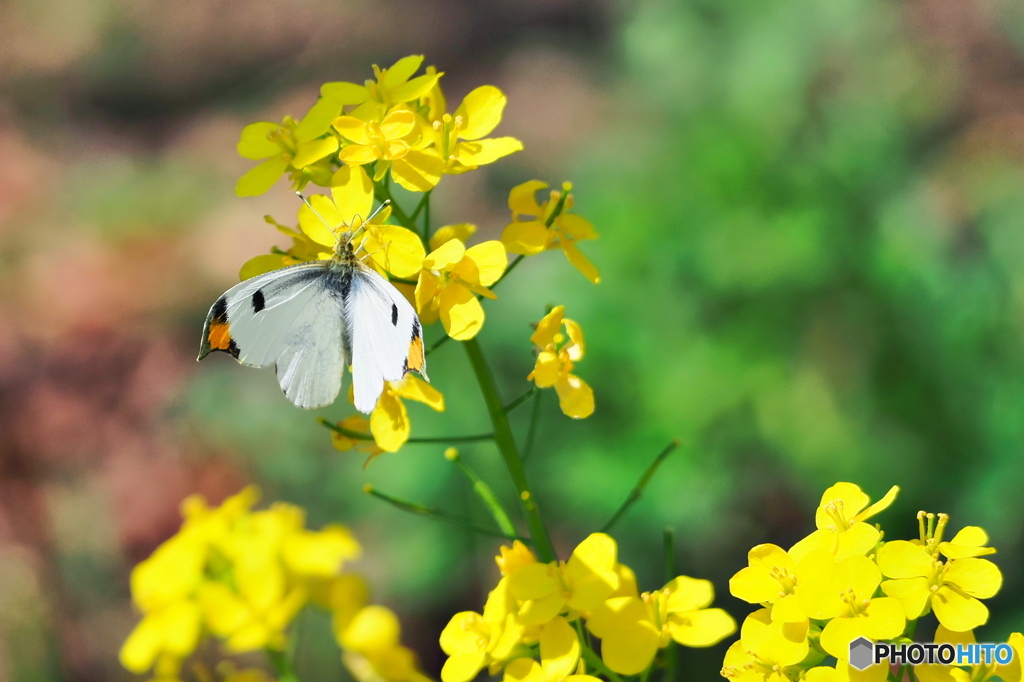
(163, 638)
(578, 586)
(460, 231)
(389, 421)
(451, 278)
(288, 145)
(632, 629)
(840, 520)
(767, 651)
(372, 649)
(982, 672)
(357, 424)
(559, 657)
(393, 85)
(511, 559)
(476, 641)
(460, 139)
(857, 612)
(556, 360)
(538, 227)
(792, 588)
(383, 142)
(951, 589)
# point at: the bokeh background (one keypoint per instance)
(812, 249)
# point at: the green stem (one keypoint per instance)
(437, 344)
(486, 495)
(382, 192)
(419, 207)
(520, 400)
(356, 435)
(281, 665)
(506, 443)
(638, 489)
(422, 510)
(508, 270)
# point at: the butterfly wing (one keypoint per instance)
(291, 317)
(385, 336)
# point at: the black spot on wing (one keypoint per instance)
(394, 315)
(415, 329)
(258, 302)
(219, 312)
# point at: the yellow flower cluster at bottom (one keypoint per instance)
(242, 576)
(843, 582)
(532, 624)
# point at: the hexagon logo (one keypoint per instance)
(862, 653)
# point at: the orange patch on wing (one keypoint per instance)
(416, 357)
(219, 336)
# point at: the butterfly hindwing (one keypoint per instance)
(292, 317)
(384, 334)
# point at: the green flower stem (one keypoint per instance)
(425, 201)
(521, 399)
(638, 489)
(531, 432)
(509, 452)
(509, 269)
(486, 495)
(437, 344)
(355, 435)
(422, 510)
(592, 659)
(383, 193)
(282, 665)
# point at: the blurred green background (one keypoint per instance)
(812, 253)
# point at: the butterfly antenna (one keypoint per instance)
(315, 212)
(372, 215)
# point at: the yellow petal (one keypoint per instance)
(483, 152)
(258, 180)
(524, 670)
(847, 497)
(688, 594)
(401, 71)
(458, 637)
(544, 334)
(352, 192)
(576, 226)
(418, 170)
(522, 198)
(352, 128)
(396, 249)
(525, 238)
(319, 554)
(490, 259)
(581, 262)
(788, 610)
(885, 618)
(314, 150)
(317, 222)
(415, 88)
(427, 286)
(344, 93)
(576, 348)
(446, 256)
(706, 627)
(398, 123)
(538, 611)
(317, 121)
(374, 629)
(559, 648)
(414, 388)
(547, 370)
(976, 577)
(460, 231)
(389, 423)
(881, 505)
(754, 585)
(858, 539)
(969, 542)
(859, 574)
(913, 593)
(575, 397)
(903, 559)
(630, 650)
(480, 112)
(259, 265)
(358, 155)
(254, 143)
(596, 554)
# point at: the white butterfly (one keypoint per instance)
(311, 320)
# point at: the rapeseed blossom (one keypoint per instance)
(389, 421)
(242, 576)
(461, 141)
(536, 227)
(557, 357)
(840, 519)
(451, 278)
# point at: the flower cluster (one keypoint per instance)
(843, 582)
(556, 358)
(538, 621)
(356, 140)
(242, 576)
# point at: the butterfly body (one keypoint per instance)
(313, 319)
